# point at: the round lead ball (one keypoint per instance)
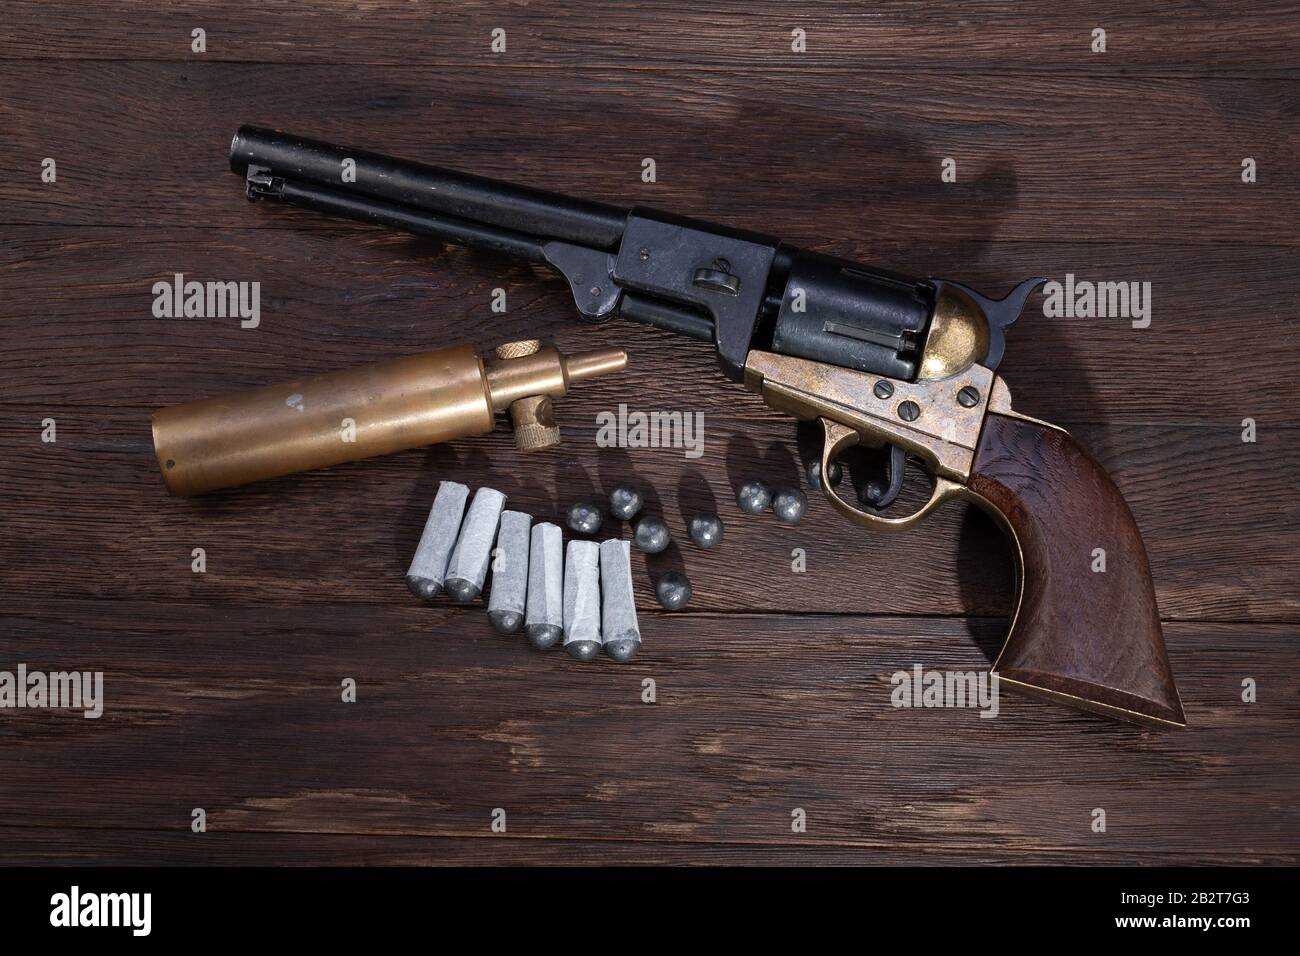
(815, 475)
(705, 529)
(872, 492)
(789, 505)
(584, 518)
(652, 535)
(754, 497)
(624, 502)
(673, 591)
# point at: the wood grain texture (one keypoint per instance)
(755, 715)
(335, 294)
(588, 131)
(347, 533)
(774, 688)
(1085, 626)
(969, 35)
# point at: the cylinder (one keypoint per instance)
(838, 312)
(323, 420)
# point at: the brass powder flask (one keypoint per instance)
(370, 410)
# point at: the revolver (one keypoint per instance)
(875, 358)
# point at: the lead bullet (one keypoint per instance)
(673, 591)
(789, 505)
(836, 473)
(652, 535)
(754, 497)
(584, 518)
(624, 502)
(705, 529)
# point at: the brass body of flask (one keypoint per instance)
(362, 412)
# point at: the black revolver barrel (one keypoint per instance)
(518, 209)
(380, 212)
(737, 289)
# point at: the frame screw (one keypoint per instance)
(883, 389)
(969, 396)
(909, 411)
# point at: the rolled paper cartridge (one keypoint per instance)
(469, 561)
(544, 616)
(582, 600)
(618, 625)
(506, 599)
(429, 566)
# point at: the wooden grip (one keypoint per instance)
(1079, 635)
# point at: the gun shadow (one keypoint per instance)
(616, 467)
(986, 556)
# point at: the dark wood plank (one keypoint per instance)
(44, 846)
(1039, 157)
(755, 717)
(968, 35)
(774, 689)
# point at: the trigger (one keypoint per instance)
(881, 494)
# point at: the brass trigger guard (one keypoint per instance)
(837, 439)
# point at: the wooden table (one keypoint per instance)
(772, 693)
